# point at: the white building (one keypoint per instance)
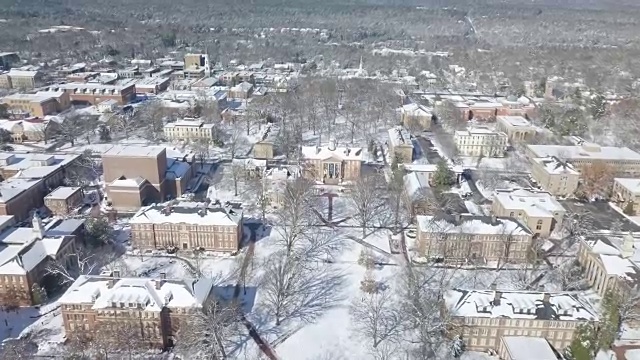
(516, 127)
(481, 142)
(188, 130)
(538, 209)
(525, 348)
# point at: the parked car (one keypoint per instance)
(411, 233)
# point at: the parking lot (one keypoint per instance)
(601, 215)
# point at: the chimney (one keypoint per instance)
(332, 144)
(627, 246)
(496, 297)
(546, 298)
(112, 281)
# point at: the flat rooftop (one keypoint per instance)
(517, 121)
(62, 192)
(534, 203)
(137, 151)
(585, 152)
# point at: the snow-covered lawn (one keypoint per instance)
(485, 162)
(633, 354)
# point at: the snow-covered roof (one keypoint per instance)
(633, 185)
(414, 109)
(176, 169)
(243, 87)
(60, 227)
(620, 256)
(589, 151)
(22, 257)
(62, 192)
(475, 131)
(267, 133)
(430, 168)
(528, 348)
(324, 153)
(132, 150)
(23, 73)
(144, 293)
(553, 165)
(124, 182)
(533, 202)
(515, 121)
(189, 123)
(399, 136)
(519, 305)
(249, 163)
(470, 225)
(13, 187)
(416, 184)
(188, 212)
(29, 97)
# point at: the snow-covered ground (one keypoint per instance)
(473, 208)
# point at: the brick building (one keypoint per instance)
(188, 225)
(331, 164)
(470, 238)
(485, 316)
(93, 93)
(400, 145)
(24, 254)
(63, 200)
(138, 176)
(149, 311)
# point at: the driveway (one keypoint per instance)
(428, 150)
(601, 215)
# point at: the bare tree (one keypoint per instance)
(260, 192)
(597, 179)
(235, 140)
(202, 148)
(367, 200)
(297, 212)
(425, 320)
(83, 170)
(18, 349)
(295, 288)
(67, 270)
(203, 334)
(568, 276)
(76, 125)
(376, 317)
(151, 118)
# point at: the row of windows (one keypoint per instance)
(184, 227)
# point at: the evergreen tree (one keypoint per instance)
(584, 345)
(458, 347)
(597, 106)
(443, 176)
(628, 209)
(610, 320)
(38, 293)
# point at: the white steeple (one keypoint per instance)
(38, 228)
(627, 246)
